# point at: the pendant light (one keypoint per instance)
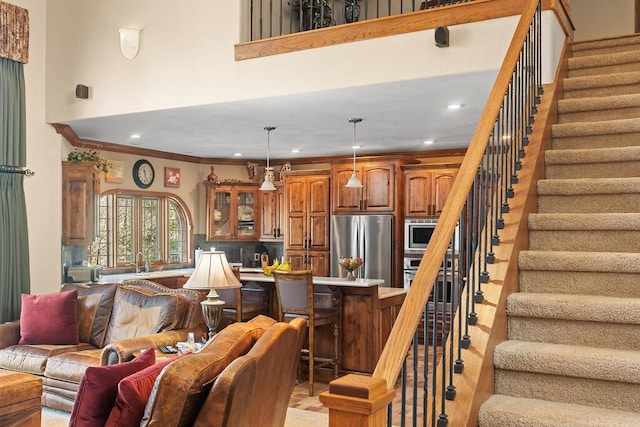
(354, 182)
(267, 185)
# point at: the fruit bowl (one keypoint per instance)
(350, 264)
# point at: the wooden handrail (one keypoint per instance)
(394, 352)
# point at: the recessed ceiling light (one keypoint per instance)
(295, 150)
(237, 154)
(135, 136)
(429, 142)
(454, 106)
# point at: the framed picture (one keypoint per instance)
(115, 174)
(171, 177)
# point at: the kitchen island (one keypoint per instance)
(368, 311)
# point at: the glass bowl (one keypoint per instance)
(350, 264)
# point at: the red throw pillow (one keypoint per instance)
(99, 387)
(133, 394)
(49, 318)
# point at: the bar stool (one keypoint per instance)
(294, 290)
(235, 308)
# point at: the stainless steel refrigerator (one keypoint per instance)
(365, 236)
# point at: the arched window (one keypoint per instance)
(142, 227)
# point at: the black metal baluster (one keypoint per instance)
(251, 20)
(484, 276)
(466, 338)
(415, 379)
(425, 384)
(459, 364)
(451, 298)
(473, 317)
(439, 313)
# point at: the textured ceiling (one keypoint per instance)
(397, 117)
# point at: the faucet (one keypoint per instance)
(146, 267)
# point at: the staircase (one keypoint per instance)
(572, 357)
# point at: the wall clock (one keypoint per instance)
(143, 173)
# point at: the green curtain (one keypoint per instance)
(14, 245)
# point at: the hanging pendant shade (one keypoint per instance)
(354, 181)
(267, 185)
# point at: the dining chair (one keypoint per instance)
(237, 308)
(294, 291)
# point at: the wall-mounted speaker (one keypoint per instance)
(82, 91)
(442, 37)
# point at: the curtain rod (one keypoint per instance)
(16, 169)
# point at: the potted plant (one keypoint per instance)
(86, 155)
(312, 14)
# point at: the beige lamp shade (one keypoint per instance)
(212, 272)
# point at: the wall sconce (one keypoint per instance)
(129, 41)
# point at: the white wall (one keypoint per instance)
(597, 19)
(43, 191)
(186, 57)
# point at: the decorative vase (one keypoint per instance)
(212, 176)
(351, 10)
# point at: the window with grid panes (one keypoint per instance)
(130, 223)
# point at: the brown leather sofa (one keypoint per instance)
(244, 376)
(114, 321)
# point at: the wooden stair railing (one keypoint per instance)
(363, 401)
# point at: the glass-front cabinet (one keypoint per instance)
(232, 211)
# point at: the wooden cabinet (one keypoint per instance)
(427, 190)
(316, 261)
(367, 319)
(272, 214)
(307, 213)
(231, 211)
(80, 197)
(378, 192)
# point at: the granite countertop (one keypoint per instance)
(256, 275)
(330, 281)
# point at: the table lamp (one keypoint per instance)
(212, 272)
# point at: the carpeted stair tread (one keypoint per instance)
(630, 39)
(611, 162)
(563, 130)
(592, 155)
(602, 60)
(598, 103)
(590, 308)
(589, 82)
(581, 186)
(605, 283)
(603, 364)
(507, 411)
(585, 222)
(612, 262)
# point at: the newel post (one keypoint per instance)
(357, 401)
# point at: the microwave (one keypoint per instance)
(417, 234)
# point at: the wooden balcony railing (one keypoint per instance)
(272, 18)
(447, 14)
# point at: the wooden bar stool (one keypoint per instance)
(236, 309)
(294, 290)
